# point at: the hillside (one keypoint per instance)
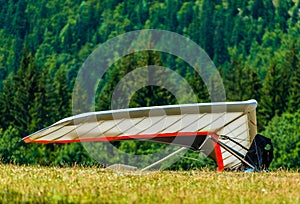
(254, 45)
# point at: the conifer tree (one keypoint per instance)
(294, 92)
(274, 95)
(282, 14)
(257, 9)
(220, 47)
(295, 18)
(207, 27)
(252, 85)
(6, 102)
(233, 75)
(185, 17)
(39, 111)
(198, 86)
(62, 102)
(25, 87)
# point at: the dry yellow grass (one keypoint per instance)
(33, 184)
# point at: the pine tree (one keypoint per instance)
(152, 95)
(293, 61)
(258, 9)
(233, 75)
(207, 27)
(295, 18)
(6, 103)
(39, 111)
(193, 30)
(294, 92)
(157, 11)
(171, 22)
(269, 13)
(251, 85)
(282, 15)
(185, 17)
(25, 86)
(109, 83)
(63, 99)
(220, 47)
(238, 33)
(198, 86)
(274, 95)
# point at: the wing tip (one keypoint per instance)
(27, 139)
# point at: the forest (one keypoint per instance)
(255, 45)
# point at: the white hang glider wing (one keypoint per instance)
(187, 125)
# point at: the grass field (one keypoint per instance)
(33, 184)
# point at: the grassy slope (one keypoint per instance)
(73, 185)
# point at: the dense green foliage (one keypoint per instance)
(255, 45)
(285, 134)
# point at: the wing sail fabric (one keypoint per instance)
(182, 125)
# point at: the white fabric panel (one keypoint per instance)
(229, 118)
(237, 130)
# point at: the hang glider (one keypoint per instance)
(225, 131)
